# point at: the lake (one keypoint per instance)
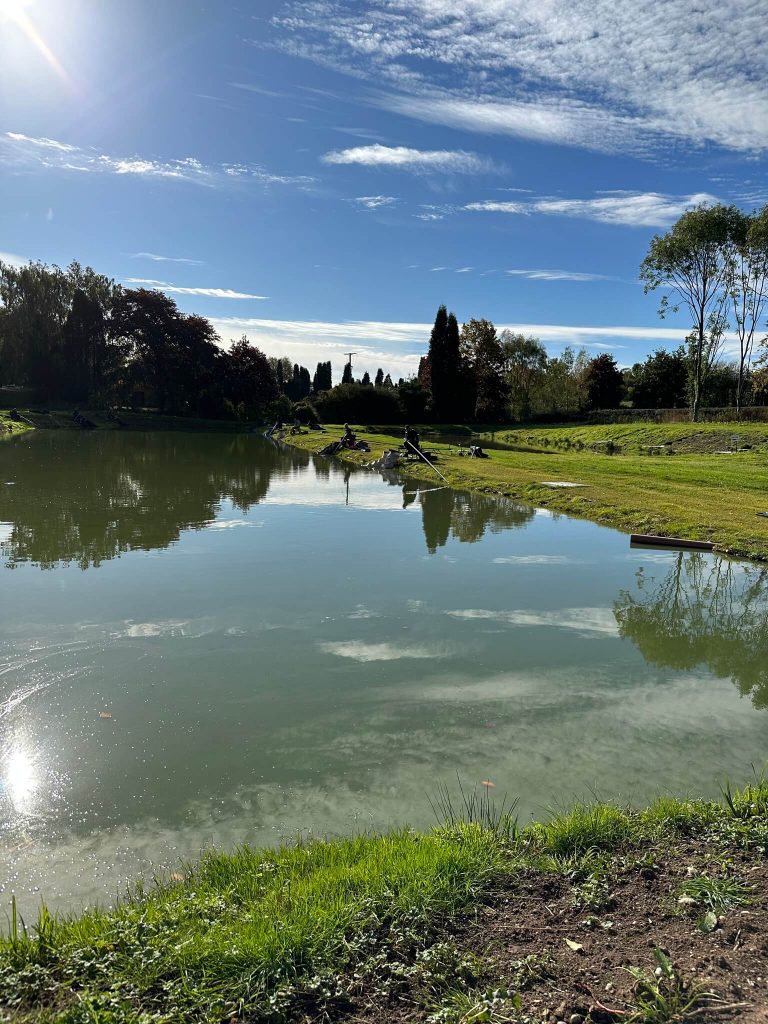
(209, 639)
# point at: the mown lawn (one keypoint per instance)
(699, 495)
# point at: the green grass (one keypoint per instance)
(252, 931)
(694, 494)
(61, 419)
(267, 934)
(11, 428)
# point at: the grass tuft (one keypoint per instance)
(587, 827)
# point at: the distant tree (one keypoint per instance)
(661, 382)
(346, 377)
(747, 285)
(379, 379)
(83, 349)
(322, 380)
(146, 322)
(525, 362)
(366, 381)
(483, 354)
(692, 261)
(251, 383)
(280, 377)
(445, 366)
(605, 384)
(388, 382)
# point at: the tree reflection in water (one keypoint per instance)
(86, 500)
(466, 516)
(705, 611)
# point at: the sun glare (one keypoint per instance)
(13, 9)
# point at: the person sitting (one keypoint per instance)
(411, 438)
(348, 439)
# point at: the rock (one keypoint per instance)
(576, 1018)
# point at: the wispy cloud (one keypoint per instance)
(604, 75)
(556, 275)
(588, 621)
(375, 202)
(13, 260)
(24, 150)
(212, 293)
(157, 258)
(418, 160)
(632, 209)
(357, 650)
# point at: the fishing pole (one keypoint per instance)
(423, 456)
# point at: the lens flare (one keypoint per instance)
(16, 11)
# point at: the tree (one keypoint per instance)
(661, 382)
(605, 384)
(445, 365)
(379, 379)
(346, 377)
(323, 379)
(388, 382)
(146, 322)
(525, 361)
(692, 261)
(482, 352)
(251, 383)
(747, 284)
(366, 381)
(83, 349)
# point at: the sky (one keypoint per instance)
(320, 175)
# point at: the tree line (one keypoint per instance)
(76, 335)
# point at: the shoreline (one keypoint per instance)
(701, 496)
(602, 913)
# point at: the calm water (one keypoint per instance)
(207, 639)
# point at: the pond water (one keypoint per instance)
(208, 639)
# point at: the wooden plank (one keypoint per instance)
(650, 540)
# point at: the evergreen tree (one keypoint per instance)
(445, 366)
(346, 377)
(388, 382)
(366, 379)
(280, 378)
(379, 380)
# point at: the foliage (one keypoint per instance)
(525, 364)
(661, 382)
(604, 382)
(483, 356)
(323, 378)
(445, 368)
(359, 403)
(692, 261)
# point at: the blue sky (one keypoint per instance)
(321, 174)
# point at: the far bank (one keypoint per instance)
(706, 482)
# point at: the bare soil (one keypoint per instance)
(533, 914)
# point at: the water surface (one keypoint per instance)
(208, 639)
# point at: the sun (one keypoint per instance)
(13, 9)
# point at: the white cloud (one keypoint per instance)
(535, 560)
(556, 275)
(164, 259)
(213, 293)
(24, 150)
(374, 202)
(465, 270)
(419, 160)
(357, 650)
(13, 260)
(632, 209)
(606, 74)
(598, 621)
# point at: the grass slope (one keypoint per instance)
(296, 933)
(696, 494)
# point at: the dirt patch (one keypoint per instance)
(707, 442)
(566, 949)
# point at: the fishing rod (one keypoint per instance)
(423, 456)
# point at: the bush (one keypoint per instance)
(359, 403)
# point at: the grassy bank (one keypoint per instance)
(10, 427)
(61, 419)
(666, 479)
(475, 921)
